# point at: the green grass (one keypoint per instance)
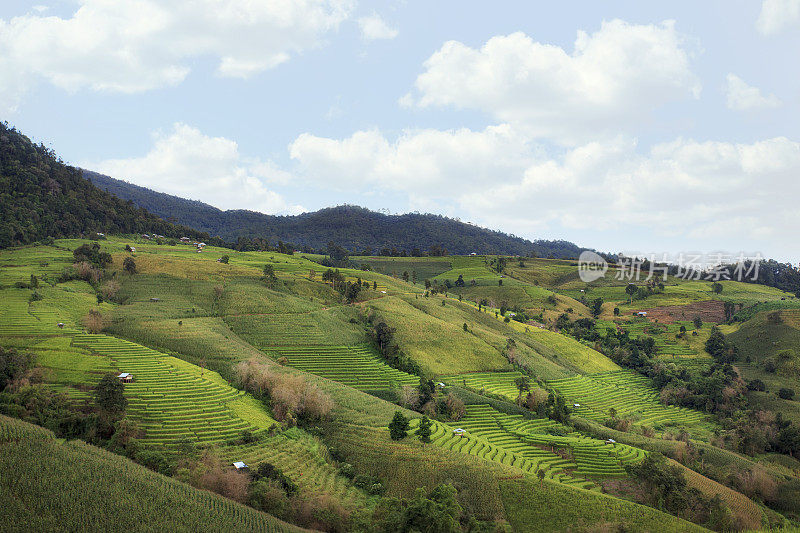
(49, 485)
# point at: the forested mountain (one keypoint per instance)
(355, 228)
(42, 197)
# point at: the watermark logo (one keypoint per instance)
(688, 266)
(591, 266)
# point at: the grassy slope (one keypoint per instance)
(50, 485)
(359, 419)
(761, 339)
(548, 507)
(435, 338)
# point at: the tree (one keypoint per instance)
(351, 293)
(110, 396)
(438, 512)
(424, 429)
(786, 394)
(269, 274)
(129, 265)
(616, 311)
(540, 475)
(384, 336)
(34, 282)
(405, 276)
(698, 322)
(398, 428)
(466, 328)
(523, 384)
(460, 281)
(716, 287)
(225, 259)
(596, 307)
(92, 254)
(630, 290)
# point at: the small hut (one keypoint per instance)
(460, 432)
(240, 465)
(126, 377)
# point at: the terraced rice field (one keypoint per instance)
(630, 394)
(356, 366)
(174, 401)
(500, 383)
(296, 454)
(508, 451)
(590, 457)
(17, 317)
(666, 342)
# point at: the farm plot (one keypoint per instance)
(327, 326)
(16, 318)
(493, 445)
(630, 394)
(499, 383)
(356, 366)
(298, 457)
(172, 400)
(588, 457)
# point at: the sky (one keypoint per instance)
(640, 127)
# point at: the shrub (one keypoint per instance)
(85, 271)
(756, 385)
(290, 394)
(129, 265)
(109, 395)
(398, 427)
(94, 321)
(110, 289)
(786, 394)
(268, 495)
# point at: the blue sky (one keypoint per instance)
(618, 125)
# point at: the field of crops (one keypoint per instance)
(630, 395)
(302, 459)
(555, 466)
(589, 458)
(174, 401)
(664, 336)
(356, 366)
(49, 485)
(499, 383)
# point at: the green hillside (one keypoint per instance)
(186, 325)
(50, 485)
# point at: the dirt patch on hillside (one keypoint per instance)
(708, 311)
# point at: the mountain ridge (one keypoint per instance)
(356, 228)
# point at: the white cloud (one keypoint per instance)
(502, 178)
(743, 97)
(138, 45)
(189, 164)
(777, 15)
(373, 27)
(612, 79)
(430, 162)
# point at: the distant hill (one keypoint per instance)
(42, 197)
(355, 228)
